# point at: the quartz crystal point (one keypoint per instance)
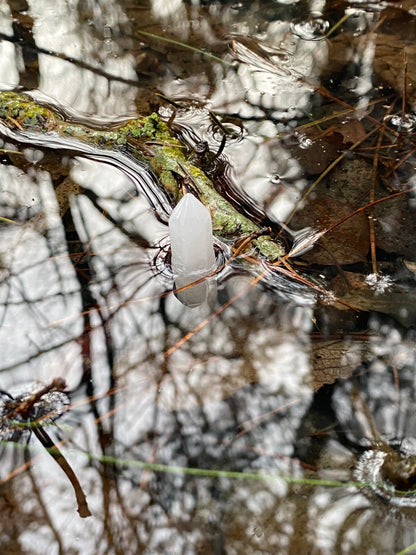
(192, 248)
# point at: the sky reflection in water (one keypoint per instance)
(246, 392)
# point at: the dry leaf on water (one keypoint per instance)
(386, 50)
(334, 359)
(334, 198)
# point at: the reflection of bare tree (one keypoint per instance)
(23, 38)
(80, 298)
(120, 341)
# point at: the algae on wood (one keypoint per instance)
(152, 143)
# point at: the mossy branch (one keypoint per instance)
(151, 142)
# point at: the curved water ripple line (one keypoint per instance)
(146, 182)
(141, 176)
(370, 472)
(312, 29)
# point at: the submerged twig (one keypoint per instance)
(184, 45)
(56, 454)
(30, 411)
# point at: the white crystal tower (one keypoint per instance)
(192, 248)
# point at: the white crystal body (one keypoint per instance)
(192, 247)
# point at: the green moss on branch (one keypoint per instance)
(151, 141)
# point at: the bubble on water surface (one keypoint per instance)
(406, 123)
(304, 142)
(314, 28)
(235, 133)
(275, 179)
(376, 468)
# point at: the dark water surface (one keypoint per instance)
(272, 418)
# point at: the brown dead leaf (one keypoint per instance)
(314, 150)
(399, 20)
(389, 63)
(332, 360)
(375, 293)
(352, 131)
(411, 266)
(346, 244)
(334, 198)
(388, 50)
(395, 225)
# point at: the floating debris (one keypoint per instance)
(380, 284)
(30, 409)
(389, 475)
(34, 405)
(313, 28)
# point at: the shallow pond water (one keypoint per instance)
(278, 416)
